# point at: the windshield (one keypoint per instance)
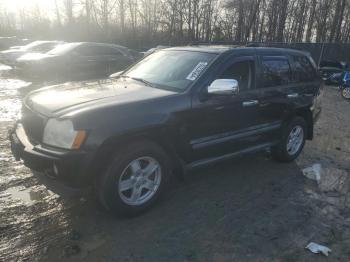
(34, 45)
(62, 49)
(174, 70)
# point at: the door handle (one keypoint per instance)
(293, 95)
(250, 103)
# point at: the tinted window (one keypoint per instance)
(97, 50)
(63, 49)
(240, 71)
(44, 47)
(276, 71)
(107, 51)
(304, 71)
(85, 50)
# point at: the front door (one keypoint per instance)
(221, 124)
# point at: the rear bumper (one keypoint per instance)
(316, 115)
(69, 166)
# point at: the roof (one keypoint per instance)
(218, 49)
(205, 48)
(102, 44)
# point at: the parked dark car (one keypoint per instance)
(77, 61)
(177, 109)
(10, 41)
(10, 56)
(331, 71)
(154, 49)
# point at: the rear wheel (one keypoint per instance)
(134, 179)
(292, 141)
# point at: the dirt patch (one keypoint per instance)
(250, 209)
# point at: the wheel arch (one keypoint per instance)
(306, 114)
(109, 147)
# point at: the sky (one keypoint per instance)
(15, 5)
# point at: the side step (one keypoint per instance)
(213, 160)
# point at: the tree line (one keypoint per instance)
(142, 23)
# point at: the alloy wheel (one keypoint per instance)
(139, 181)
(295, 140)
(346, 92)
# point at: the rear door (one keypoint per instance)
(275, 87)
(306, 84)
(305, 79)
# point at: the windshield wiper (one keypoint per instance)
(140, 80)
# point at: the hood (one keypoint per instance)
(33, 57)
(16, 47)
(75, 96)
(14, 52)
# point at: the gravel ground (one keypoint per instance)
(248, 209)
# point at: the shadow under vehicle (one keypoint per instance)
(76, 61)
(178, 109)
(9, 57)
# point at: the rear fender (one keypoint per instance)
(307, 115)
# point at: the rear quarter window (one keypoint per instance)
(276, 71)
(303, 69)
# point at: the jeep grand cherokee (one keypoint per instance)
(177, 109)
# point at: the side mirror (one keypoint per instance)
(224, 87)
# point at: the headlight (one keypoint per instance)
(61, 133)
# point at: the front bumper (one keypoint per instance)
(67, 165)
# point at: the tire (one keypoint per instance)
(125, 187)
(345, 93)
(284, 152)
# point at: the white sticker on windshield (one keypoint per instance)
(196, 71)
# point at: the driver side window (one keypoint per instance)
(242, 72)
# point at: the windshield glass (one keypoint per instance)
(174, 70)
(62, 49)
(32, 45)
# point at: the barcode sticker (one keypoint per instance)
(196, 71)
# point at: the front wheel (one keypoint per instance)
(292, 141)
(345, 93)
(135, 178)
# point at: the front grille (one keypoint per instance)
(33, 124)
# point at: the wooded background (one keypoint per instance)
(145, 23)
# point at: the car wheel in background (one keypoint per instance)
(345, 93)
(292, 140)
(135, 178)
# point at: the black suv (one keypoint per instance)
(177, 109)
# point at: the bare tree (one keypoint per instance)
(183, 21)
